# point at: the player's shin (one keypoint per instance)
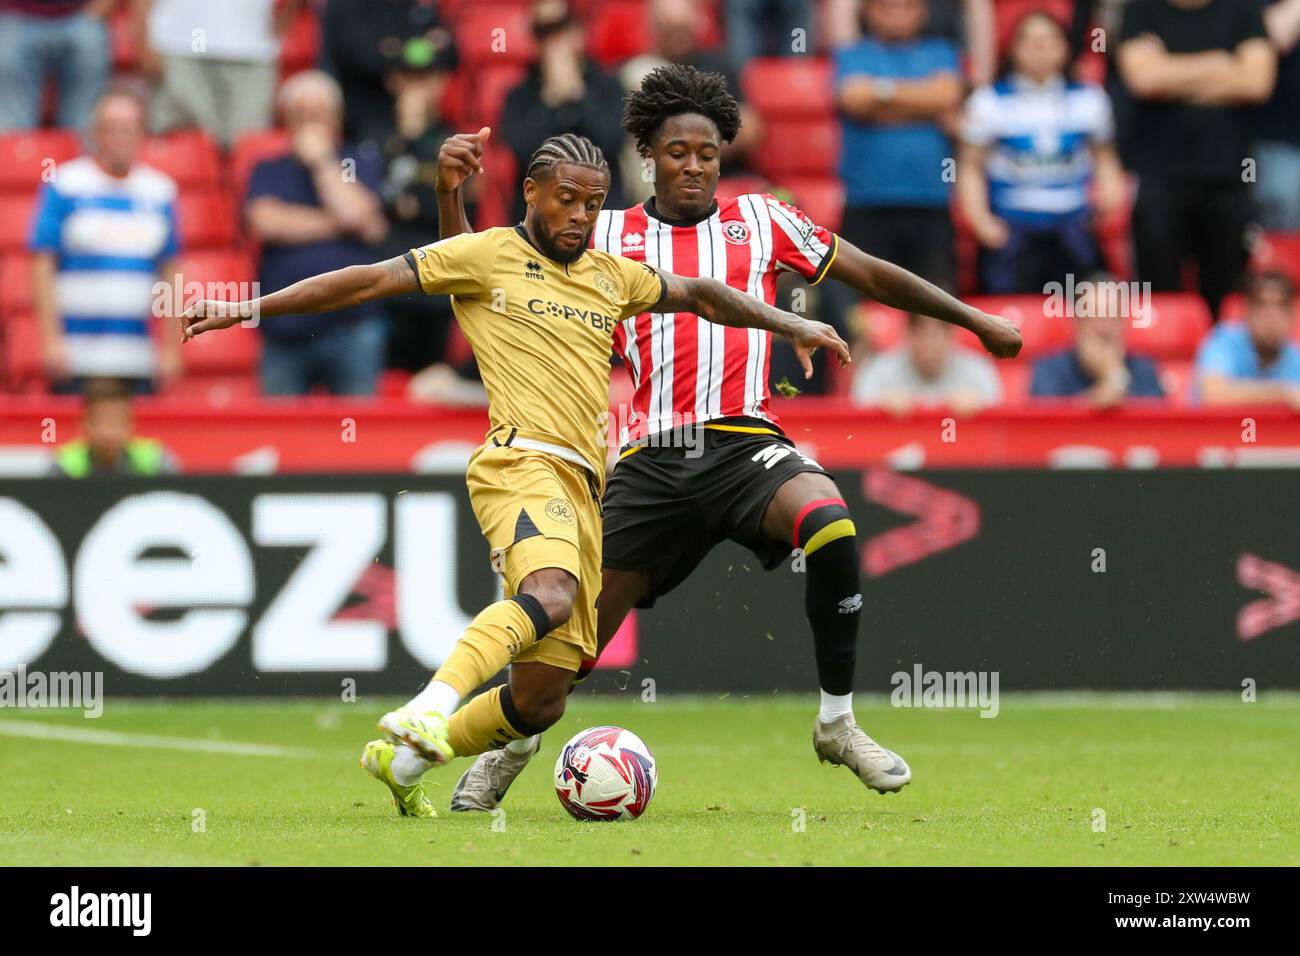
(825, 534)
(493, 639)
(489, 721)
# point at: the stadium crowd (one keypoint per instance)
(1050, 160)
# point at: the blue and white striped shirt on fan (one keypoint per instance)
(110, 236)
(1039, 141)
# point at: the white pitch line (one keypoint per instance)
(111, 738)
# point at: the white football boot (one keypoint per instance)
(842, 741)
(483, 786)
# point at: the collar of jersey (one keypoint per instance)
(652, 209)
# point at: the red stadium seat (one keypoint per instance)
(216, 265)
(1177, 380)
(251, 149)
(1174, 328)
(191, 157)
(491, 84)
(24, 361)
(300, 47)
(25, 158)
(1006, 13)
(209, 219)
(495, 33)
(235, 352)
(16, 213)
(618, 30)
(730, 187)
(822, 200)
(122, 39)
(216, 390)
(1016, 379)
(15, 285)
(793, 148)
(497, 187)
(1277, 251)
(789, 87)
(881, 326)
(1042, 332)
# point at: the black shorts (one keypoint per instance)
(666, 507)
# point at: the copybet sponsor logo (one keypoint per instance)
(38, 689)
(923, 688)
(596, 320)
(134, 910)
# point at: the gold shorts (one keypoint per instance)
(539, 511)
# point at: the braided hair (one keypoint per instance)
(672, 90)
(566, 148)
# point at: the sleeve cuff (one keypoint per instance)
(826, 261)
(410, 261)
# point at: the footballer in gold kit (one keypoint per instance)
(539, 309)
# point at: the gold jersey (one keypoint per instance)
(542, 331)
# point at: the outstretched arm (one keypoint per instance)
(724, 305)
(340, 289)
(894, 286)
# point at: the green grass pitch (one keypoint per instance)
(1180, 779)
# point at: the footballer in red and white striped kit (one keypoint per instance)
(686, 369)
(705, 460)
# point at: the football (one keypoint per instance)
(605, 773)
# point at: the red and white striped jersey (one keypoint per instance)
(684, 368)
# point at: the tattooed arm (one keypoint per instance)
(724, 305)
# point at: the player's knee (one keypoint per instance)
(556, 591)
(541, 706)
(822, 524)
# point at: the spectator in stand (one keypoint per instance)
(217, 63)
(1098, 367)
(108, 444)
(1092, 25)
(374, 48)
(314, 210)
(1255, 360)
(419, 325)
(105, 231)
(757, 28)
(928, 370)
(1193, 67)
(677, 31)
(896, 90)
(969, 24)
(563, 93)
(1032, 144)
(61, 40)
(1277, 124)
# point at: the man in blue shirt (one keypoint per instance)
(105, 231)
(1255, 360)
(894, 89)
(1098, 367)
(316, 209)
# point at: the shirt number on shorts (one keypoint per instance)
(776, 452)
